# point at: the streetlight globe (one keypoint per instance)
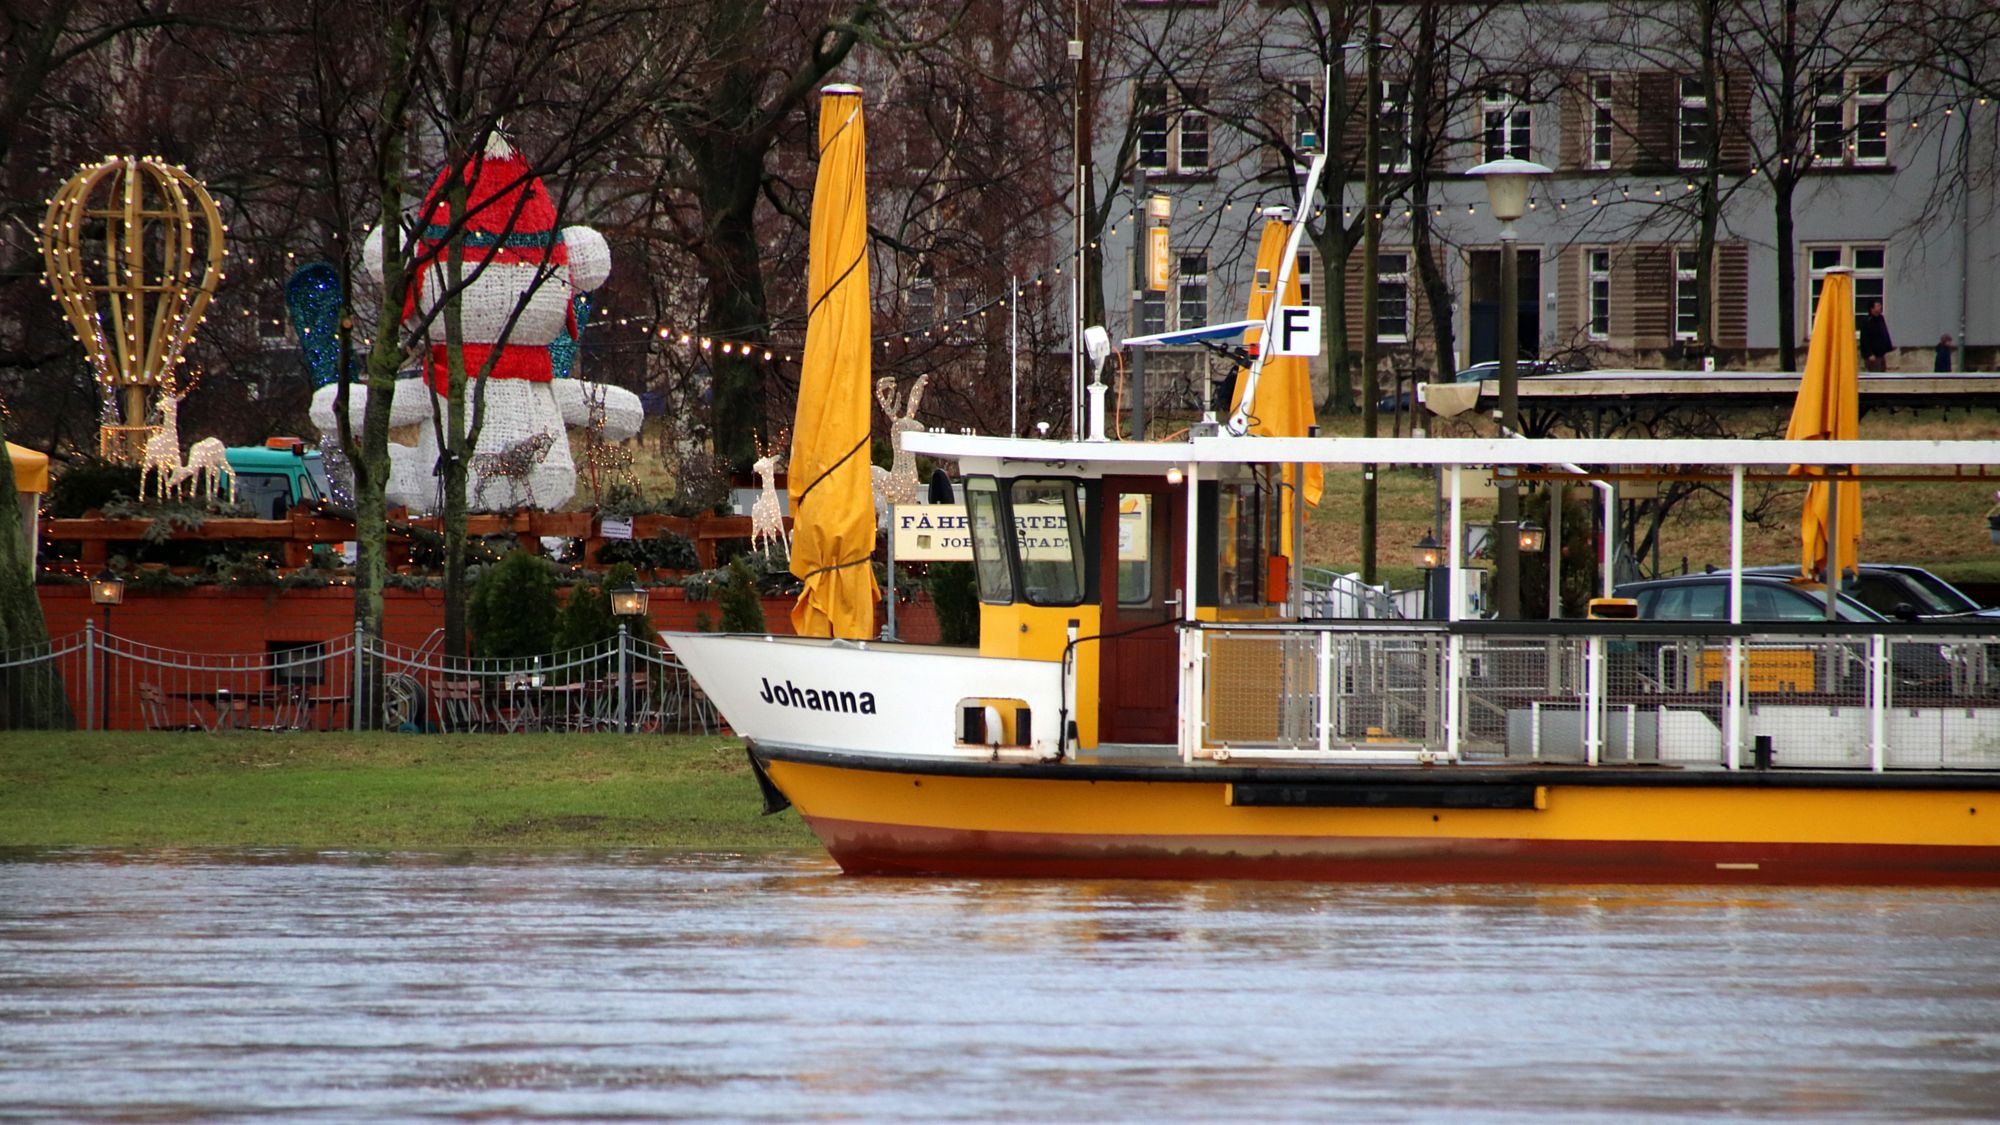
(629, 600)
(1428, 554)
(1532, 538)
(107, 589)
(1507, 185)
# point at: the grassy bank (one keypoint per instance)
(383, 792)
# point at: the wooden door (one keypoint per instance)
(1142, 556)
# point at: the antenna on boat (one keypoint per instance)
(1239, 422)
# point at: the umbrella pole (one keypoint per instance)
(1831, 572)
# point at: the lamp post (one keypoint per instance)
(1507, 196)
(1428, 554)
(627, 601)
(106, 590)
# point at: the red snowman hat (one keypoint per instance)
(509, 220)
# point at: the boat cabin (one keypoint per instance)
(1088, 562)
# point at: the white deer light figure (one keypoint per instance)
(206, 469)
(898, 483)
(163, 447)
(767, 521)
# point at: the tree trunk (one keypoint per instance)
(1782, 188)
(369, 457)
(455, 459)
(34, 698)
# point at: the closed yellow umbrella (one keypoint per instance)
(1829, 409)
(833, 511)
(31, 469)
(1284, 406)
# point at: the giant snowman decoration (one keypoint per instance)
(522, 457)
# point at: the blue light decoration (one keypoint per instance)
(313, 297)
(563, 349)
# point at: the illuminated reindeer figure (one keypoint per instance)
(898, 483)
(163, 446)
(206, 471)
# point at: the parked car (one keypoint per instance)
(1905, 593)
(1771, 597)
(1766, 597)
(1478, 372)
(273, 477)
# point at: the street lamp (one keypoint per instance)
(1507, 196)
(106, 590)
(1532, 538)
(1428, 554)
(627, 601)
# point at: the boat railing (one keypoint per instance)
(1792, 695)
(1325, 593)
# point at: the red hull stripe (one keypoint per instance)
(894, 849)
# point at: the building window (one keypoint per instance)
(1306, 117)
(1194, 290)
(1871, 119)
(1193, 130)
(1600, 294)
(1829, 123)
(1152, 312)
(1600, 122)
(1694, 124)
(1869, 261)
(1507, 125)
(1850, 123)
(1392, 298)
(1172, 135)
(1687, 294)
(923, 295)
(1394, 135)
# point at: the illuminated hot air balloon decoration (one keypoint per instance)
(133, 250)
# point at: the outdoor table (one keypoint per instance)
(230, 707)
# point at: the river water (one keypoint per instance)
(659, 987)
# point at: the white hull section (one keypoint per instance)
(868, 697)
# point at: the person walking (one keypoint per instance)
(1944, 350)
(1875, 341)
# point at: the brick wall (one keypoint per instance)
(238, 619)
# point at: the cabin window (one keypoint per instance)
(989, 548)
(1049, 540)
(1247, 511)
(1136, 572)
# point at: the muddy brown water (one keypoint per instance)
(271, 986)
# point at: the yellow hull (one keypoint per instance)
(1470, 824)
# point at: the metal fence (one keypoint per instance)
(1598, 694)
(349, 682)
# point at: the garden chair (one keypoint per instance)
(461, 706)
(153, 707)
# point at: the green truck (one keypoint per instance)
(272, 477)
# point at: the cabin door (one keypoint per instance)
(1142, 577)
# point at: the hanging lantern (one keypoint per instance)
(132, 248)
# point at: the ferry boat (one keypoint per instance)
(1151, 697)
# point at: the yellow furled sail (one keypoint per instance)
(1829, 409)
(1284, 406)
(833, 509)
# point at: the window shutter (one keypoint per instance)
(1656, 128)
(1574, 144)
(1569, 285)
(1652, 296)
(1736, 122)
(1732, 295)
